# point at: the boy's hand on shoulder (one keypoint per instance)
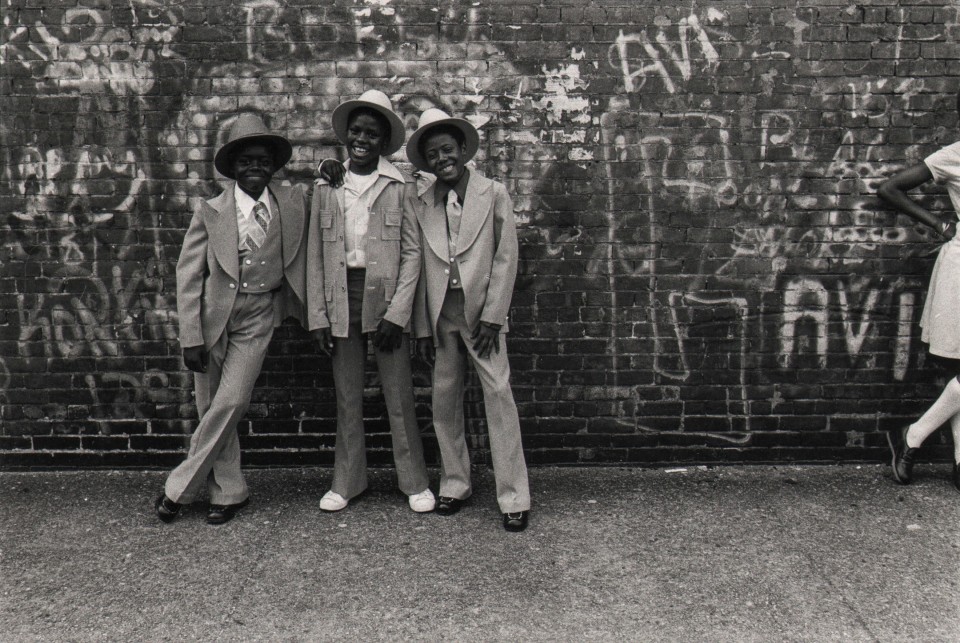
(388, 336)
(324, 339)
(332, 171)
(486, 338)
(195, 358)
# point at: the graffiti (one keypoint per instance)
(770, 213)
(81, 204)
(304, 116)
(95, 77)
(84, 53)
(132, 395)
(85, 315)
(638, 57)
(63, 201)
(807, 304)
(794, 312)
(731, 235)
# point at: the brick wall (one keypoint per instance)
(706, 274)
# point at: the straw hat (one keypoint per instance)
(432, 118)
(249, 128)
(379, 102)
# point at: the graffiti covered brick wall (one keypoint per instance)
(706, 274)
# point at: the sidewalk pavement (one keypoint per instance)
(758, 553)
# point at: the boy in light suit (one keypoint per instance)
(363, 263)
(240, 273)
(470, 248)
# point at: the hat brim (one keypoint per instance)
(471, 141)
(282, 148)
(341, 114)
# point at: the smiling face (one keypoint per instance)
(444, 156)
(366, 136)
(253, 166)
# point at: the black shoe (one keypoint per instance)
(956, 475)
(219, 514)
(903, 456)
(515, 521)
(448, 506)
(166, 509)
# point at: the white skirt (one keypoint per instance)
(940, 322)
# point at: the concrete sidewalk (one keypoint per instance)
(720, 554)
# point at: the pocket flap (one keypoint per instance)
(391, 224)
(326, 225)
(389, 288)
(392, 217)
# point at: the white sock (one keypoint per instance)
(955, 425)
(946, 406)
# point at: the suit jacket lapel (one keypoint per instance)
(434, 224)
(291, 227)
(221, 216)
(476, 209)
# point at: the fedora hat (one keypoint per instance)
(434, 117)
(378, 102)
(249, 128)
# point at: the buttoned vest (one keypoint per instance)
(262, 270)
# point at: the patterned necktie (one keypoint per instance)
(454, 214)
(257, 233)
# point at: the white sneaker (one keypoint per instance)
(333, 501)
(423, 502)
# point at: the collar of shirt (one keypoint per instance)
(245, 205)
(355, 186)
(245, 202)
(384, 168)
(441, 189)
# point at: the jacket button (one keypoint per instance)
(233, 285)
(454, 282)
(263, 263)
(248, 262)
(446, 271)
(244, 284)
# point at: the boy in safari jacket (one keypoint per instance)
(363, 263)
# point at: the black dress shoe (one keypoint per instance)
(903, 456)
(515, 521)
(956, 475)
(219, 514)
(166, 509)
(448, 506)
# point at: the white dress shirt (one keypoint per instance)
(356, 215)
(245, 205)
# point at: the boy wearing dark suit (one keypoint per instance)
(470, 253)
(240, 273)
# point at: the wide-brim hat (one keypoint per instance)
(434, 117)
(250, 128)
(380, 103)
